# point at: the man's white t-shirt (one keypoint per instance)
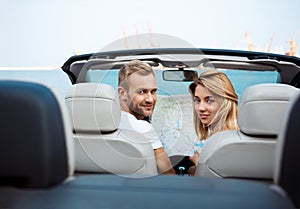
(130, 122)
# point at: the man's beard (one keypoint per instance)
(139, 113)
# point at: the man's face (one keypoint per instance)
(141, 95)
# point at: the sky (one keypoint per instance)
(47, 32)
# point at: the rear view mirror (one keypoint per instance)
(179, 75)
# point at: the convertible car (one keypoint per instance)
(61, 146)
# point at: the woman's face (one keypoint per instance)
(206, 104)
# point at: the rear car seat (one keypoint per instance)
(36, 146)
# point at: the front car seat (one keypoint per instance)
(248, 152)
(100, 146)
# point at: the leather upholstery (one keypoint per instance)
(36, 145)
(248, 152)
(100, 146)
(287, 164)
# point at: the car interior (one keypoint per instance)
(55, 185)
(72, 154)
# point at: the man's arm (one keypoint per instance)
(163, 162)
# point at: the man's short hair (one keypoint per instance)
(134, 66)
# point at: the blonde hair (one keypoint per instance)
(134, 66)
(218, 84)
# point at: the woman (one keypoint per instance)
(215, 107)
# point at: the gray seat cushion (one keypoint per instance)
(249, 152)
(100, 146)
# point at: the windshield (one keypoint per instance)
(177, 88)
(172, 117)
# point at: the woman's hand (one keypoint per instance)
(194, 159)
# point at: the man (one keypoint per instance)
(137, 91)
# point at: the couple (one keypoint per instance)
(214, 99)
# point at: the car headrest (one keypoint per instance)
(36, 145)
(262, 107)
(287, 165)
(93, 107)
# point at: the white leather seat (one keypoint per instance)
(99, 145)
(248, 152)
